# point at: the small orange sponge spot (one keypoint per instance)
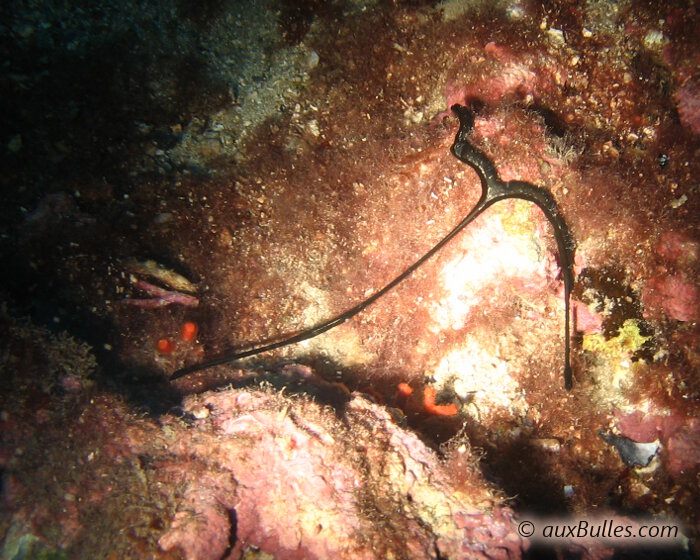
(404, 389)
(189, 331)
(429, 394)
(165, 346)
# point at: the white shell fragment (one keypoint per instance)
(158, 272)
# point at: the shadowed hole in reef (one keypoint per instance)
(232, 536)
(509, 464)
(296, 16)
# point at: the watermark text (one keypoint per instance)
(621, 531)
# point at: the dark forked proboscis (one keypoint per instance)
(493, 190)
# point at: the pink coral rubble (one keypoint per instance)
(674, 288)
(676, 295)
(298, 482)
(688, 105)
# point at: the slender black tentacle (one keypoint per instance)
(565, 246)
(334, 322)
(493, 190)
